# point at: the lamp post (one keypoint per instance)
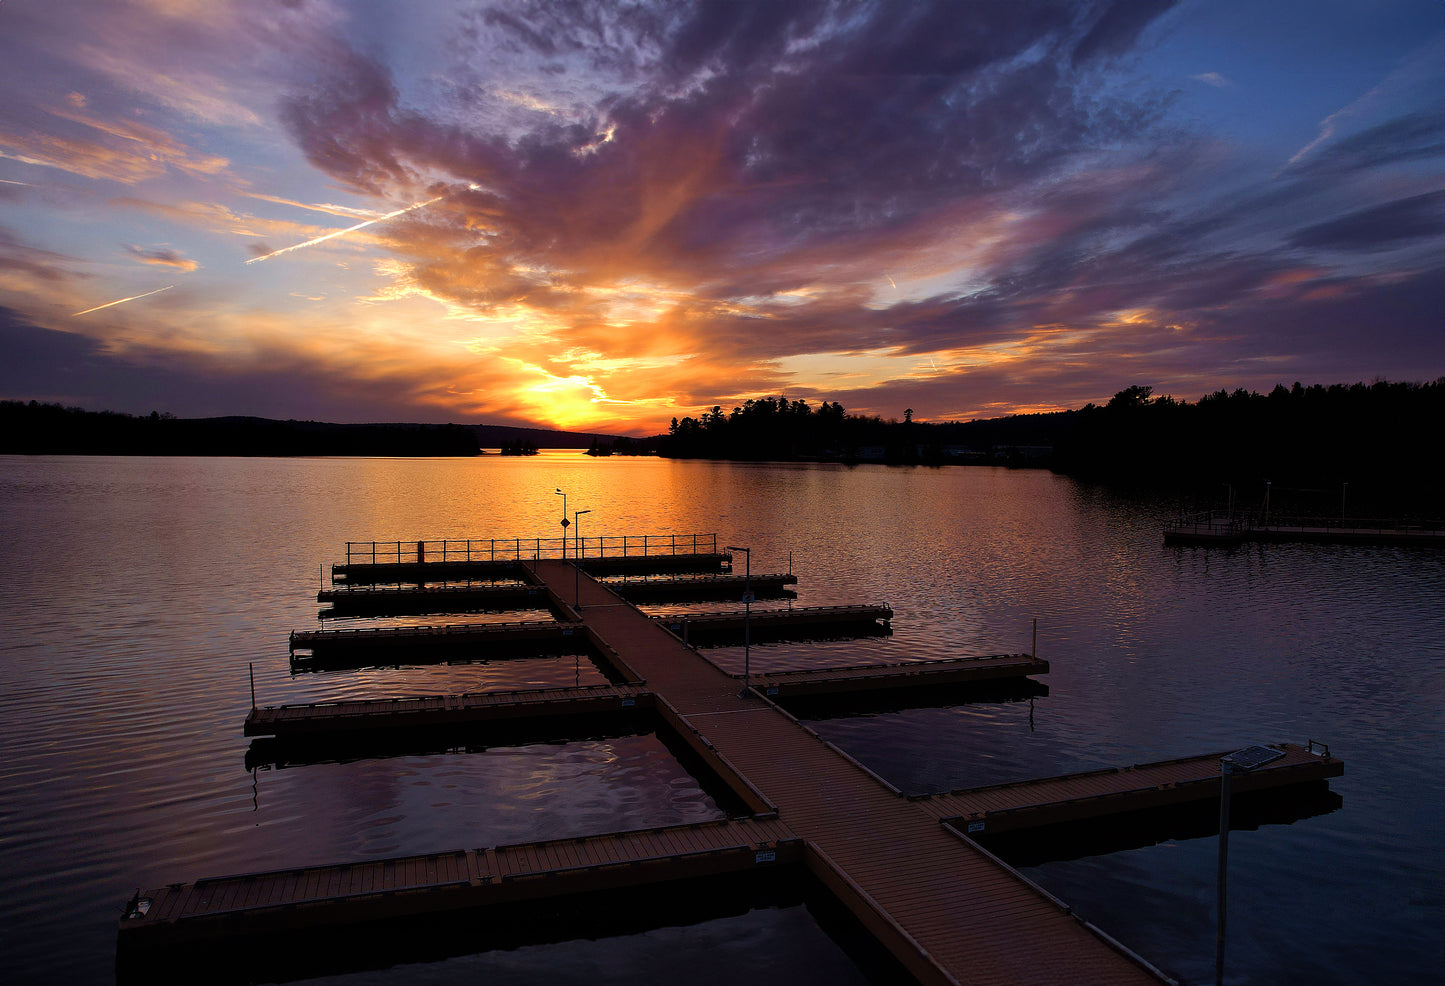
(577, 562)
(1267, 485)
(1239, 762)
(1343, 490)
(565, 522)
(747, 618)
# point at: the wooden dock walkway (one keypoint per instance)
(946, 909)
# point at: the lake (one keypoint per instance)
(137, 592)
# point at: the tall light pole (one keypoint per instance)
(565, 522)
(1343, 490)
(577, 562)
(747, 618)
(1239, 762)
(1267, 485)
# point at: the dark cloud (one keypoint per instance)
(1379, 227)
(43, 265)
(1117, 27)
(792, 131)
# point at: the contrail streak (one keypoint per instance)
(134, 297)
(7, 181)
(343, 232)
(273, 253)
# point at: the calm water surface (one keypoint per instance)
(136, 592)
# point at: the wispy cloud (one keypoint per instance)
(162, 257)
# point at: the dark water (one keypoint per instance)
(137, 591)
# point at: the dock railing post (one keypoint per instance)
(1034, 651)
(252, 666)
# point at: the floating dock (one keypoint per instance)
(947, 910)
(793, 623)
(1077, 797)
(421, 562)
(442, 711)
(449, 636)
(698, 588)
(413, 644)
(449, 711)
(386, 600)
(1206, 530)
(328, 896)
(411, 600)
(902, 675)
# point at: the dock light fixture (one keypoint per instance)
(577, 562)
(565, 522)
(747, 618)
(1239, 762)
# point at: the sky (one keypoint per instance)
(600, 216)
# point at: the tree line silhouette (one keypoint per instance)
(36, 428)
(1381, 438)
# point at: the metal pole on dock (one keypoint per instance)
(577, 562)
(565, 522)
(747, 619)
(1242, 762)
(1034, 652)
(252, 666)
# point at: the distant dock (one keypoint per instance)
(1208, 530)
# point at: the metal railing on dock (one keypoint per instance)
(527, 549)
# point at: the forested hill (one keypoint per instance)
(51, 429)
(1383, 439)
(1380, 438)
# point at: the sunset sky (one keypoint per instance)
(598, 216)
